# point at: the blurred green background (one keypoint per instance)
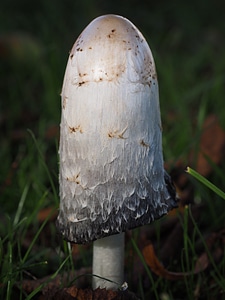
(186, 37)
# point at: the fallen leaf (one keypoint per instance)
(202, 263)
(52, 132)
(48, 212)
(212, 145)
(173, 237)
(54, 289)
(156, 267)
(53, 285)
(215, 244)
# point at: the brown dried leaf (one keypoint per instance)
(79, 294)
(156, 267)
(53, 289)
(212, 145)
(215, 244)
(52, 132)
(173, 237)
(73, 293)
(51, 286)
(202, 263)
(48, 212)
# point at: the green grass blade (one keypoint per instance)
(10, 280)
(53, 276)
(206, 182)
(146, 268)
(20, 206)
(209, 254)
(33, 241)
(44, 164)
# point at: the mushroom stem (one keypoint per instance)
(108, 262)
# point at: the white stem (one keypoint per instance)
(108, 261)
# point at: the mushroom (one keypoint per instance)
(112, 176)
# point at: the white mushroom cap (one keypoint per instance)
(111, 163)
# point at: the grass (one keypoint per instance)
(206, 182)
(187, 42)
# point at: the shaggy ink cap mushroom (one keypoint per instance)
(111, 164)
